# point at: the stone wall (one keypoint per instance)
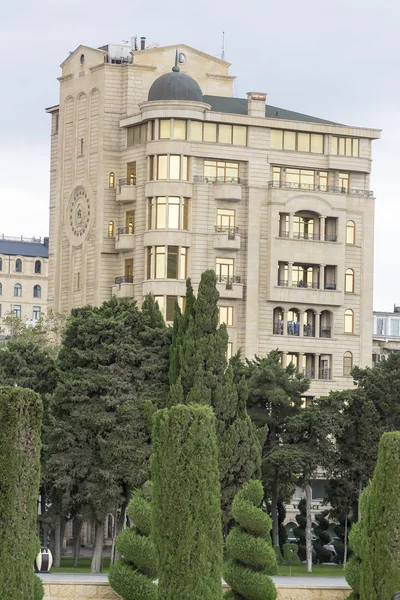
(88, 591)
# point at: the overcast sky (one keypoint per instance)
(337, 60)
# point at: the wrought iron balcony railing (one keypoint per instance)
(330, 286)
(283, 282)
(278, 328)
(127, 181)
(230, 231)
(211, 179)
(330, 189)
(309, 372)
(325, 332)
(124, 279)
(300, 235)
(308, 331)
(324, 374)
(330, 237)
(229, 280)
(305, 284)
(125, 231)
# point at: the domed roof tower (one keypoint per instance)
(175, 86)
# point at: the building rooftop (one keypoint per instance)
(175, 86)
(24, 246)
(238, 106)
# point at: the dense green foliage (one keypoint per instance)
(186, 504)
(322, 555)
(199, 374)
(380, 549)
(113, 360)
(20, 418)
(132, 577)
(249, 548)
(353, 566)
(300, 530)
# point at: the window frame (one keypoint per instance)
(346, 368)
(228, 321)
(351, 228)
(349, 278)
(37, 309)
(19, 307)
(295, 138)
(37, 289)
(110, 229)
(18, 265)
(18, 289)
(348, 314)
(111, 180)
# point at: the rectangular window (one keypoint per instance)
(162, 166)
(128, 268)
(169, 315)
(130, 222)
(225, 315)
(210, 132)
(185, 168)
(160, 262)
(161, 303)
(131, 173)
(143, 133)
(185, 214)
(150, 213)
(183, 264)
(381, 326)
(344, 182)
(223, 171)
(225, 134)
(196, 131)
(239, 135)
(173, 212)
(395, 327)
(136, 135)
(17, 310)
(276, 174)
(161, 212)
(345, 146)
(224, 269)
(229, 351)
(172, 262)
(36, 313)
(150, 255)
(225, 220)
(179, 129)
(151, 168)
(323, 181)
(297, 140)
(174, 166)
(165, 129)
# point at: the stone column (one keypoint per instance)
(284, 314)
(322, 228)
(316, 366)
(284, 359)
(290, 265)
(317, 323)
(321, 277)
(301, 316)
(291, 215)
(302, 362)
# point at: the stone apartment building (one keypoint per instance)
(23, 278)
(386, 334)
(159, 174)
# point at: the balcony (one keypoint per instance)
(123, 287)
(327, 189)
(325, 332)
(227, 238)
(126, 191)
(310, 372)
(230, 287)
(225, 188)
(125, 240)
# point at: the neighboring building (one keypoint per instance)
(386, 336)
(156, 176)
(23, 278)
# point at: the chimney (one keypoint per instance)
(143, 43)
(256, 104)
(46, 242)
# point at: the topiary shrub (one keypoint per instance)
(252, 557)
(380, 548)
(322, 554)
(186, 514)
(352, 569)
(20, 418)
(300, 531)
(133, 576)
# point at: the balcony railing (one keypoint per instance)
(278, 328)
(210, 179)
(330, 189)
(228, 280)
(230, 231)
(127, 181)
(309, 372)
(325, 332)
(308, 331)
(305, 284)
(330, 286)
(300, 235)
(125, 231)
(124, 279)
(293, 328)
(330, 237)
(283, 282)
(324, 374)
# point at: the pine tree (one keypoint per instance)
(252, 558)
(20, 418)
(186, 504)
(380, 550)
(132, 577)
(198, 366)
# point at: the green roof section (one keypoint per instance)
(238, 106)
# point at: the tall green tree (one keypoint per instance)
(274, 397)
(380, 550)
(199, 374)
(186, 504)
(112, 360)
(20, 418)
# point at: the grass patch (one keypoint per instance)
(83, 565)
(317, 571)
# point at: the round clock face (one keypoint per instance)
(79, 214)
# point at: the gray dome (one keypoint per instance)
(175, 86)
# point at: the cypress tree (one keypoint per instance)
(186, 504)
(20, 418)
(132, 577)
(380, 549)
(249, 548)
(199, 367)
(352, 569)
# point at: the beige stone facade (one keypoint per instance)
(23, 279)
(145, 193)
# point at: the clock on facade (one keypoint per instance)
(79, 214)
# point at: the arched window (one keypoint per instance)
(18, 265)
(349, 281)
(325, 324)
(278, 321)
(349, 321)
(38, 266)
(111, 180)
(1, 264)
(37, 291)
(17, 289)
(350, 232)
(347, 363)
(111, 229)
(293, 322)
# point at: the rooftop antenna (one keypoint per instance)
(176, 68)
(223, 46)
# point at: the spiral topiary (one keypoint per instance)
(133, 576)
(249, 548)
